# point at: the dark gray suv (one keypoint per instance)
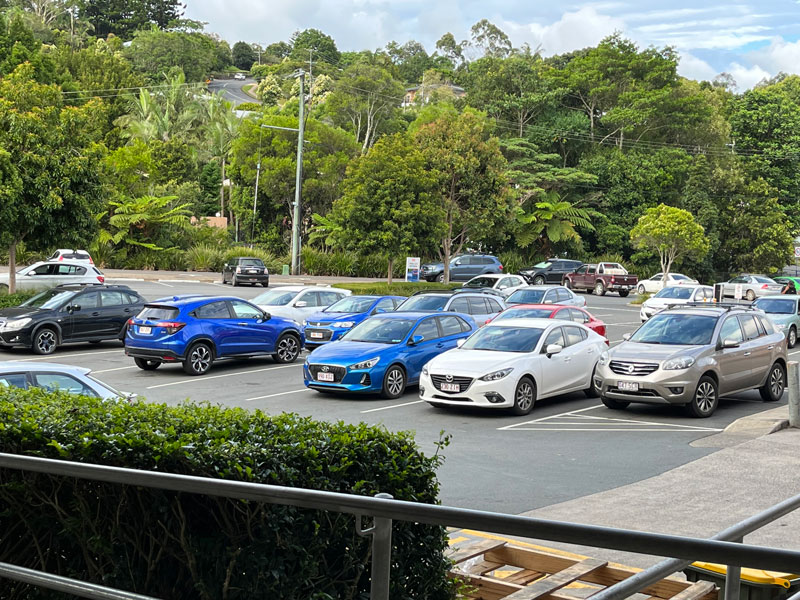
(463, 267)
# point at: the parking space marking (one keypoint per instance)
(117, 369)
(578, 422)
(65, 357)
(571, 412)
(390, 407)
(794, 352)
(273, 395)
(237, 373)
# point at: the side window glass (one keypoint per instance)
(213, 310)
(477, 306)
(493, 305)
(563, 295)
(387, 304)
(591, 270)
(44, 270)
(451, 325)
(328, 298)
(88, 300)
(572, 335)
(60, 382)
(731, 331)
(427, 329)
(310, 298)
(554, 337)
(578, 316)
(460, 305)
(562, 314)
(550, 297)
(749, 327)
(18, 380)
(766, 324)
(111, 298)
(464, 325)
(132, 298)
(243, 310)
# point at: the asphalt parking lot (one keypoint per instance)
(566, 448)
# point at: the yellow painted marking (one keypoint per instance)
(454, 541)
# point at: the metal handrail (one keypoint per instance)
(385, 510)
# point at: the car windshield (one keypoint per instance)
(764, 280)
(679, 277)
(681, 293)
(49, 299)
(504, 339)
(251, 262)
(158, 313)
(776, 306)
(351, 304)
(542, 265)
(379, 330)
(674, 328)
(526, 297)
(274, 298)
(525, 313)
(481, 282)
(424, 303)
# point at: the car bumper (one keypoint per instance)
(484, 394)
(15, 338)
(660, 387)
(159, 354)
(361, 381)
(329, 335)
(251, 278)
(616, 287)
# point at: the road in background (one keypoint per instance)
(566, 448)
(232, 89)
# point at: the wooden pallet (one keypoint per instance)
(494, 570)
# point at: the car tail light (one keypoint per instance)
(171, 326)
(500, 267)
(238, 269)
(61, 258)
(91, 262)
(608, 343)
(612, 279)
(101, 279)
(765, 286)
(130, 322)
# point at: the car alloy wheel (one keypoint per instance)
(640, 290)
(199, 360)
(440, 278)
(705, 399)
(772, 390)
(792, 338)
(538, 280)
(287, 349)
(750, 295)
(524, 397)
(600, 289)
(45, 341)
(394, 382)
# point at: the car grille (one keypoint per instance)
(639, 393)
(338, 372)
(326, 335)
(463, 383)
(317, 323)
(637, 369)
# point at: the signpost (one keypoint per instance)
(737, 291)
(412, 269)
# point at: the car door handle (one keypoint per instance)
(567, 359)
(242, 324)
(440, 345)
(770, 347)
(747, 353)
(95, 314)
(590, 351)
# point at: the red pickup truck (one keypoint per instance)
(602, 278)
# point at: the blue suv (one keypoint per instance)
(199, 330)
(333, 322)
(385, 353)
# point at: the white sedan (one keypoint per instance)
(44, 275)
(512, 363)
(675, 294)
(505, 284)
(297, 302)
(656, 282)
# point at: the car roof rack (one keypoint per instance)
(728, 306)
(81, 284)
(491, 291)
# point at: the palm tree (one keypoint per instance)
(221, 128)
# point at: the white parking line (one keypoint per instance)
(117, 369)
(164, 284)
(794, 352)
(273, 395)
(237, 373)
(65, 356)
(571, 412)
(363, 412)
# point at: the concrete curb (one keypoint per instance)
(759, 424)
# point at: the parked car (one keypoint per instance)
(73, 256)
(553, 311)
(479, 304)
(545, 294)
(68, 314)
(692, 355)
(602, 278)
(240, 76)
(784, 279)
(784, 312)
(298, 302)
(505, 284)
(385, 353)
(462, 268)
(551, 270)
(245, 269)
(55, 377)
(656, 282)
(333, 322)
(753, 286)
(44, 275)
(675, 294)
(512, 363)
(200, 330)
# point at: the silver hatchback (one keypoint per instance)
(692, 355)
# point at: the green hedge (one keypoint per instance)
(7, 300)
(400, 288)
(176, 545)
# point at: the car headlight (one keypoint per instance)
(681, 362)
(603, 358)
(495, 375)
(367, 364)
(305, 323)
(15, 324)
(425, 370)
(780, 325)
(346, 324)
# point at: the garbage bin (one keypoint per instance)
(756, 584)
(285, 270)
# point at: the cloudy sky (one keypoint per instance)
(746, 38)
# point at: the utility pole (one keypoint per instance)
(298, 179)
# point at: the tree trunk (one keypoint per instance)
(222, 191)
(446, 246)
(391, 269)
(12, 268)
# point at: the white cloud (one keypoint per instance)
(746, 77)
(780, 55)
(692, 67)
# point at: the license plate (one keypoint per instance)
(628, 386)
(253, 271)
(324, 376)
(145, 330)
(451, 387)
(315, 334)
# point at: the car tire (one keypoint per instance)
(234, 281)
(774, 386)
(223, 280)
(567, 284)
(147, 365)
(265, 284)
(287, 349)
(198, 359)
(394, 382)
(624, 293)
(750, 295)
(614, 404)
(705, 399)
(45, 341)
(791, 338)
(591, 391)
(600, 288)
(440, 278)
(524, 397)
(538, 280)
(640, 290)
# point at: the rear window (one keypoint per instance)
(251, 262)
(424, 303)
(763, 280)
(158, 313)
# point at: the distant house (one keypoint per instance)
(421, 94)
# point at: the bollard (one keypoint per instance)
(793, 381)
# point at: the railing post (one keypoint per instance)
(793, 381)
(381, 555)
(733, 578)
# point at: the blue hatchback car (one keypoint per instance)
(199, 330)
(384, 353)
(333, 322)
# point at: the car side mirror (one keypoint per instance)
(457, 263)
(74, 307)
(378, 310)
(553, 349)
(415, 340)
(730, 343)
(548, 301)
(460, 342)
(301, 304)
(30, 274)
(626, 336)
(264, 317)
(131, 398)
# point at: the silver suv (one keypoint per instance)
(692, 354)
